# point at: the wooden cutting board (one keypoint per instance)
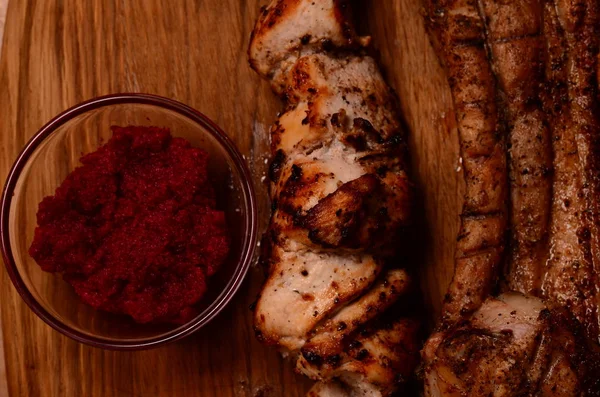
(57, 53)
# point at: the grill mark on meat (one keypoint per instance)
(511, 38)
(457, 32)
(340, 194)
(335, 221)
(390, 348)
(514, 37)
(332, 338)
(512, 346)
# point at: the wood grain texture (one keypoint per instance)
(3, 379)
(60, 52)
(3, 7)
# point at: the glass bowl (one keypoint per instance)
(55, 151)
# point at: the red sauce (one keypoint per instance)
(135, 229)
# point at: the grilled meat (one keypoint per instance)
(571, 278)
(376, 362)
(514, 37)
(328, 339)
(332, 389)
(512, 346)
(544, 55)
(339, 194)
(458, 34)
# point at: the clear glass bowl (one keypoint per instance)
(55, 151)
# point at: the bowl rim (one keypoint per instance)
(249, 198)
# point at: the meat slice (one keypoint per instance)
(340, 195)
(512, 346)
(286, 29)
(331, 338)
(332, 389)
(571, 278)
(340, 128)
(458, 33)
(304, 287)
(520, 345)
(514, 36)
(378, 361)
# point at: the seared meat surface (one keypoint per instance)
(457, 32)
(571, 278)
(542, 338)
(340, 195)
(514, 36)
(513, 346)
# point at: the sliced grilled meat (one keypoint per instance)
(287, 29)
(340, 194)
(517, 345)
(458, 33)
(332, 389)
(513, 346)
(331, 338)
(377, 362)
(571, 278)
(514, 36)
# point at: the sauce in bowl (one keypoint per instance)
(135, 230)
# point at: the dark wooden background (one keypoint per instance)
(57, 53)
